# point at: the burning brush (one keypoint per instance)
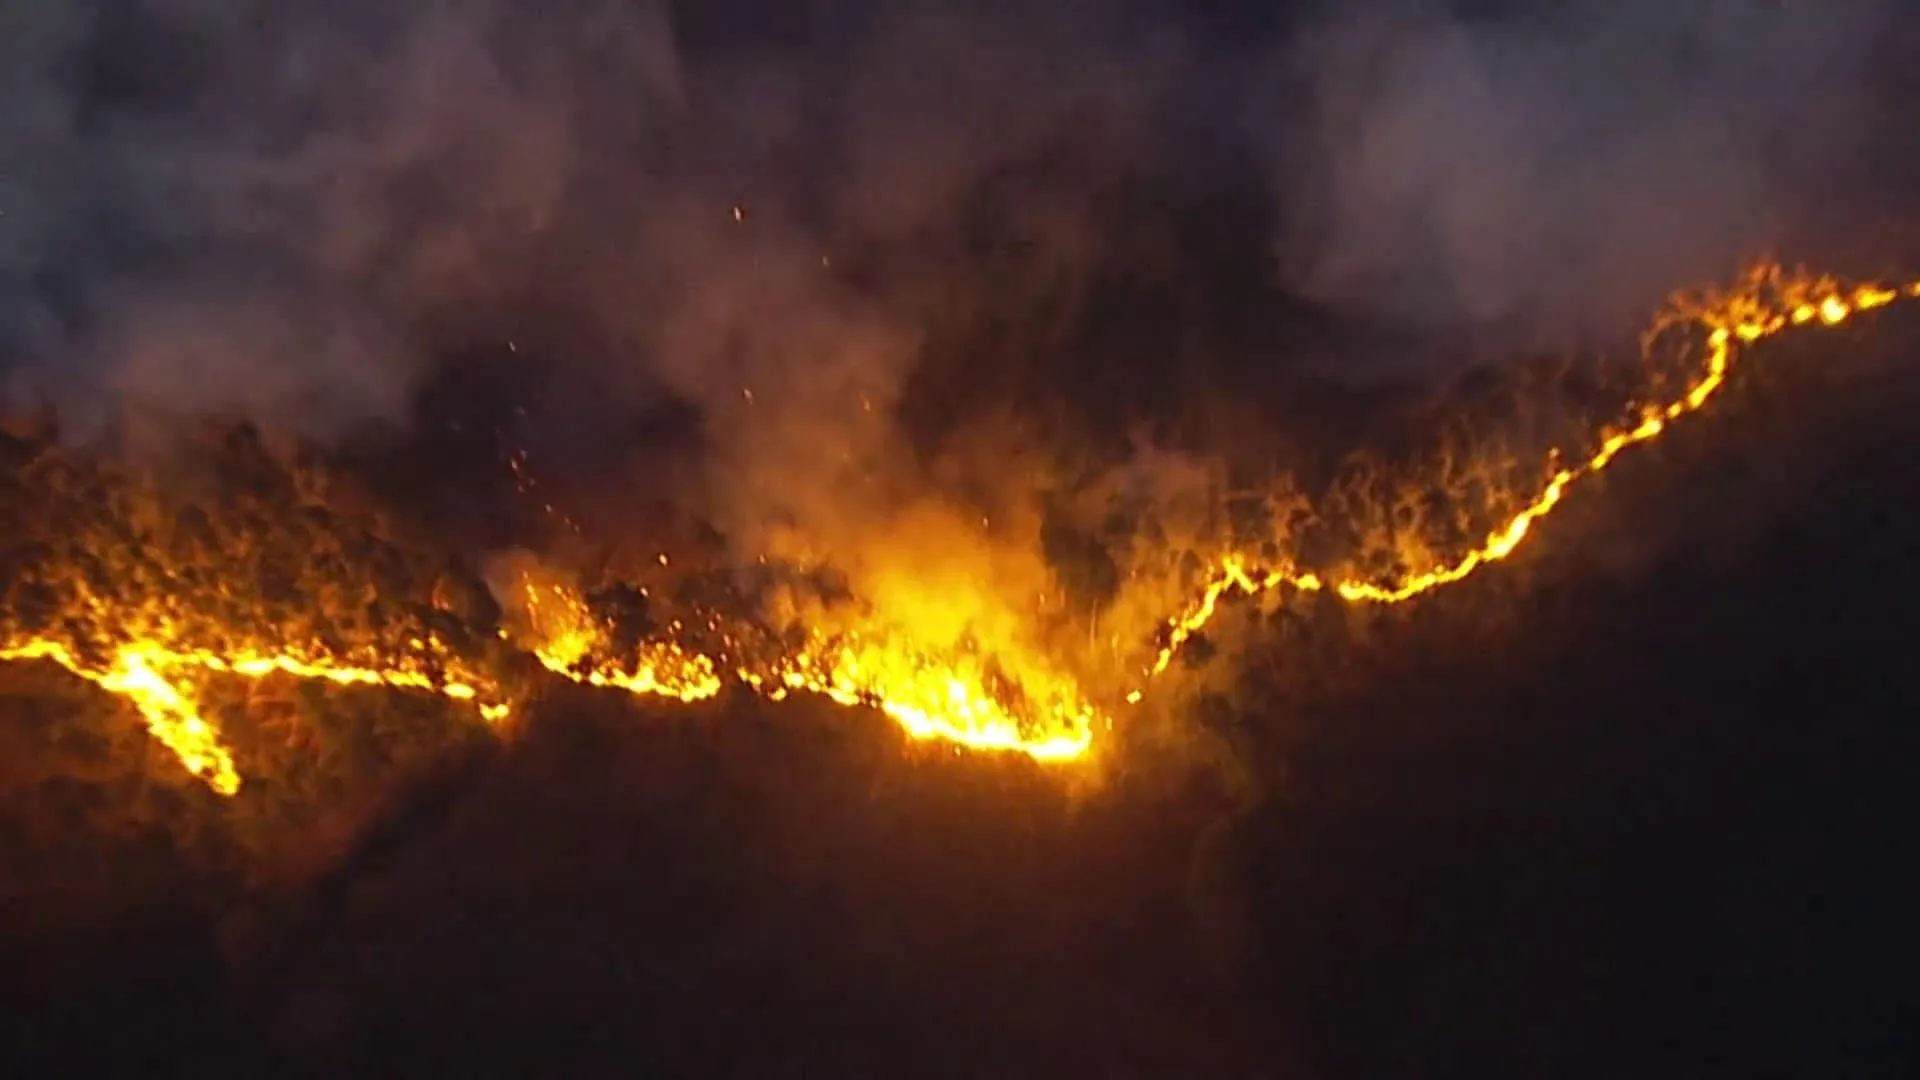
(152, 594)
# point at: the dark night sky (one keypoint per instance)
(1631, 806)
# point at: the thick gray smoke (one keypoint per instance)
(1564, 165)
(288, 210)
(264, 208)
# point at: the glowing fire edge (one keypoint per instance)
(157, 679)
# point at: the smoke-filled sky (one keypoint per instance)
(295, 211)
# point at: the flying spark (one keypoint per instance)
(158, 653)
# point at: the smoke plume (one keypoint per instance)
(1563, 166)
(293, 212)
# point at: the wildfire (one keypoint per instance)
(160, 681)
(948, 695)
(157, 635)
(166, 706)
(953, 697)
(1767, 301)
(563, 634)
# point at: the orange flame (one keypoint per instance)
(954, 693)
(933, 694)
(156, 679)
(1765, 302)
(563, 635)
(950, 697)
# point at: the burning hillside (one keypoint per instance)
(154, 593)
(868, 537)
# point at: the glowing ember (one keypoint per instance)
(949, 697)
(169, 712)
(157, 680)
(564, 636)
(160, 631)
(1764, 303)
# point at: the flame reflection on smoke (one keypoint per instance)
(936, 684)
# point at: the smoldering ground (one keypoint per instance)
(979, 252)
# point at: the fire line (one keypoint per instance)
(1767, 301)
(943, 694)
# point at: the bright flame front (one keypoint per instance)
(1000, 699)
(1767, 301)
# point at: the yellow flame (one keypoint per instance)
(1766, 302)
(170, 714)
(156, 679)
(931, 694)
(947, 696)
(564, 636)
(953, 693)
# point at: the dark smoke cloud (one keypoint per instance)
(289, 211)
(242, 207)
(271, 207)
(1564, 165)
